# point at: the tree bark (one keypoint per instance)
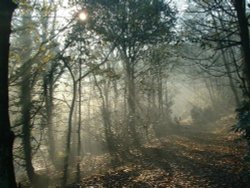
(26, 124)
(230, 78)
(160, 91)
(105, 111)
(79, 144)
(48, 86)
(131, 100)
(70, 124)
(49, 94)
(7, 174)
(240, 6)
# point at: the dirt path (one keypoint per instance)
(206, 160)
(182, 159)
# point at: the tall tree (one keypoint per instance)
(132, 26)
(104, 87)
(49, 79)
(7, 175)
(214, 25)
(243, 119)
(28, 82)
(240, 7)
(70, 122)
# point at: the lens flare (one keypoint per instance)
(83, 15)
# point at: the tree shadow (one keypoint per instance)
(206, 172)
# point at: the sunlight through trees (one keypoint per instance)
(124, 93)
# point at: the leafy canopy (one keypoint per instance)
(132, 22)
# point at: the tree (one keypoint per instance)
(215, 25)
(223, 25)
(76, 40)
(156, 80)
(104, 86)
(53, 72)
(243, 114)
(7, 175)
(240, 7)
(32, 58)
(132, 26)
(70, 122)
(26, 84)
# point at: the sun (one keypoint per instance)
(83, 15)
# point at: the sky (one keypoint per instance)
(181, 5)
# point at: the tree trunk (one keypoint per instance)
(68, 141)
(159, 92)
(105, 111)
(48, 87)
(240, 6)
(26, 101)
(49, 94)
(131, 101)
(79, 145)
(7, 174)
(230, 78)
(26, 126)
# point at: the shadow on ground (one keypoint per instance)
(187, 159)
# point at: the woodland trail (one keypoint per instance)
(184, 158)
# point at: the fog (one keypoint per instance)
(129, 94)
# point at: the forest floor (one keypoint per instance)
(188, 157)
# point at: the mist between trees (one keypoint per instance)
(121, 75)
